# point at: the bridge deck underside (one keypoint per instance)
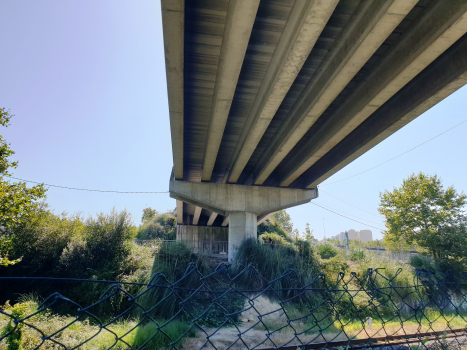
(321, 149)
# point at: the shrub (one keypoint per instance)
(161, 226)
(421, 262)
(40, 239)
(327, 251)
(273, 227)
(273, 238)
(357, 254)
(272, 261)
(172, 264)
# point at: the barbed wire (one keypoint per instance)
(232, 308)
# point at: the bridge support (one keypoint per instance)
(242, 204)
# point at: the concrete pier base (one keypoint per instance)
(242, 225)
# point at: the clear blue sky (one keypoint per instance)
(86, 82)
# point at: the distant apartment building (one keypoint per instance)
(364, 235)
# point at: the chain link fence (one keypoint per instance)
(242, 310)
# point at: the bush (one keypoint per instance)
(421, 262)
(172, 264)
(161, 226)
(327, 251)
(273, 238)
(40, 240)
(272, 261)
(273, 227)
(357, 254)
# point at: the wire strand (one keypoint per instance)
(410, 150)
(347, 217)
(78, 189)
(320, 190)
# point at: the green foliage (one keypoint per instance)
(309, 234)
(273, 238)
(16, 200)
(269, 226)
(327, 251)
(170, 265)
(422, 211)
(272, 261)
(156, 225)
(68, 246)
(357, 254)
(148, 214)
(172, 331)
(421, 262)
(282, 218)
(18, 312)
(41, 239)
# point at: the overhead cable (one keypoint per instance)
(389, 160)
(332, 211)
(79, 189)
(320, 190)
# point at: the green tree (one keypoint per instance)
(422, 211)
(148, 214)
(309, 234)
(283, 219)
(16, 200)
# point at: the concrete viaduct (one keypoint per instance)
(269, 98)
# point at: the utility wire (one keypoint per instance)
(77, 189)
(90, 190)
(410, 150)
(320, 190)
(340, 211)
(347, 217)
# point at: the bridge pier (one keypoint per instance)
(243, 205)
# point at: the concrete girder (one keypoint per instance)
(239, 23)
(196, 215)
(263, 218)
(303, 28)
(442, 26)
(225, 222)
(211, 219)
(180, 212)
(440, 79)
(226, 198)
(173, 21)
(374, 22)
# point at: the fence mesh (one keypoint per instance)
(223, 310)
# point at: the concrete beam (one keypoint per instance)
(225, 198)
(444, 76)
(303, 28)
(433, 34)
(196, 215)
(225, 222)
(212, 217)
(179, 212)
(173, 21)
(369, 28)
(265, 217)
(239, 22)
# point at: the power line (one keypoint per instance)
(340, 211)
(347, 217)
(410, 150)
(91, 190)
(320, 190)
(78, 189)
